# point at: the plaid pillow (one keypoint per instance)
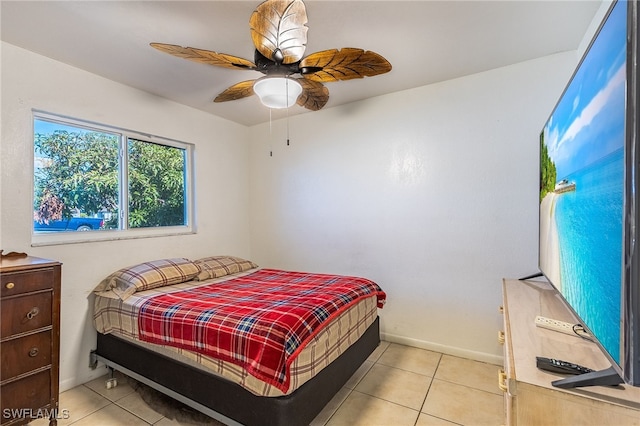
(219, 266)
(148, 275)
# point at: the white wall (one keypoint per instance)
(430, 192)
(221, 156)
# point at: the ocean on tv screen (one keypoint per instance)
(583, 183)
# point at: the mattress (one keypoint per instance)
(113, 315)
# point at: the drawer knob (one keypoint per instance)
(33, 312)
(33, 352)
(502, 380)
(9, 286)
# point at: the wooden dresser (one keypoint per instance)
(29, 339)
(529, 397)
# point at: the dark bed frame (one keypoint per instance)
(227, 401)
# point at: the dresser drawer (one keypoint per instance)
(30, 393)
(25, 313)
(25, 354)
(24, 282)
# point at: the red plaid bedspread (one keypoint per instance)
(260, 321)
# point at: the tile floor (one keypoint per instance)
(397, 385)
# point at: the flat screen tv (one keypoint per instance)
(589, 199)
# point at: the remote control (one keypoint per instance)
(562, 367)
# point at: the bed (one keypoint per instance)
(250, 377)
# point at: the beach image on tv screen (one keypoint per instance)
(582, 185)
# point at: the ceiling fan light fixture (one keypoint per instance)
(277, 92)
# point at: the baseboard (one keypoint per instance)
(76, 381)
(449, 350)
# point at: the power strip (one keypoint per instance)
(561, 326)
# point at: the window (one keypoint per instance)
(110, 182)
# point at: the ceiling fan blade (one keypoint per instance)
(344, 64)
(237, 91)
(205, 56)
(314, 94)
(279, 31)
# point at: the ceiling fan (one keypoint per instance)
(279, 33)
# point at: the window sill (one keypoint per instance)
(78, 237)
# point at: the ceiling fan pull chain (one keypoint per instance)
(270, 132)
(288, 112)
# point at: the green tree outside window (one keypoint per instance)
(80, 173)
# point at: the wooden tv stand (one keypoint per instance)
(529, 397)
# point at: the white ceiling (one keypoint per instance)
(425, 41)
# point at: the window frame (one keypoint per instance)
(56, 238)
